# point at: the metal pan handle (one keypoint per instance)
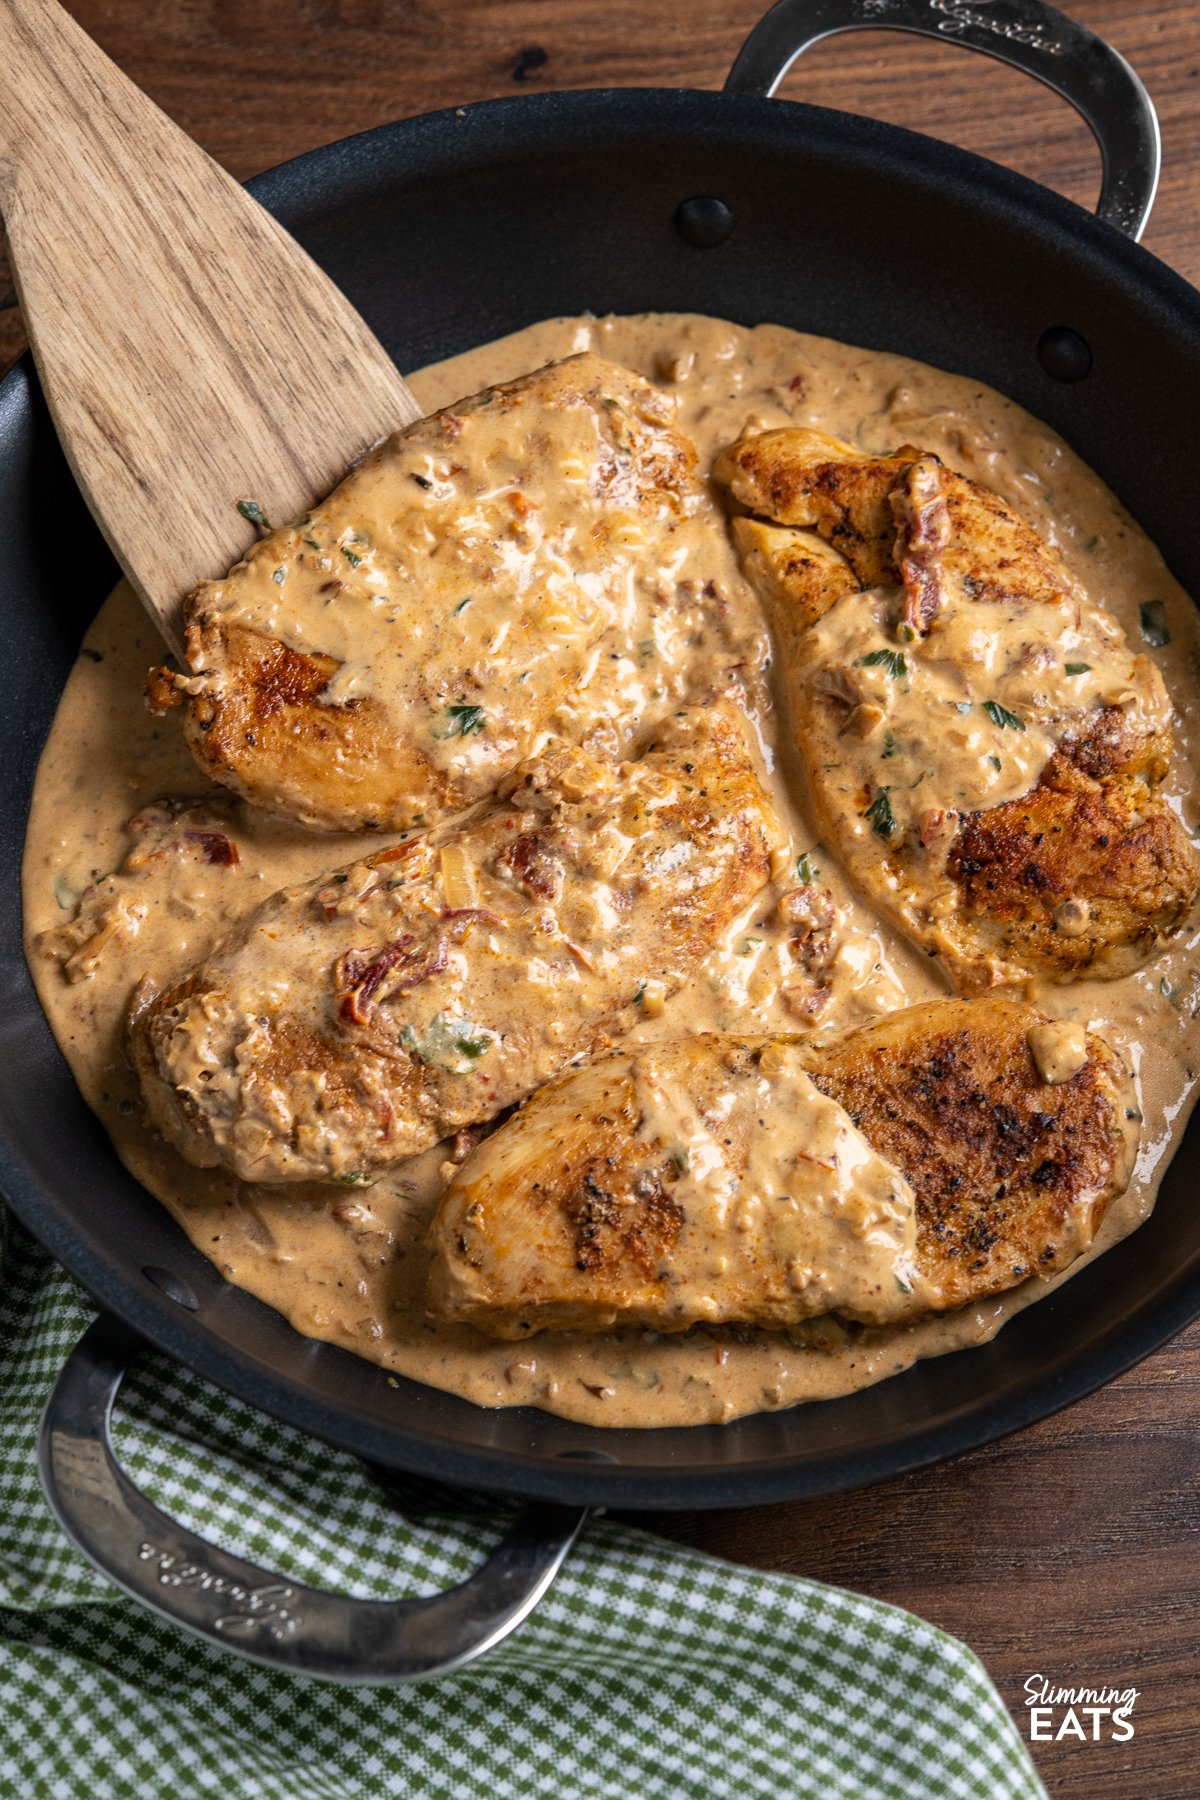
(1076, 63)
(261, 1615)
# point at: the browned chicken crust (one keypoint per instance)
(357, 1020)
(1013, 1175)
(1083, 875)
(801, 575)
(441, 534)
(803, 478)
(870, 509)
(579, 1215)
(262, 728)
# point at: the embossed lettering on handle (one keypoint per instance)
(959, 15)
(1028, 35)
(272, 1607)
(228, 1600)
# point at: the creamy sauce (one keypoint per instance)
(837, 1219)
(352, 1269)
(906, 735)
(1059, 1050)
(483, 580)
(968, 716)
(364, 1017)
(756, 1199)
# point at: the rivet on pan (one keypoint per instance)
(1063, 354)
(584, 1456)
(703, 221)
(171, 1286)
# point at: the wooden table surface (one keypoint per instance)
(1069, 1550)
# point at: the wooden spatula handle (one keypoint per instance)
(192, 354)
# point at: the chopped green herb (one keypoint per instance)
(342, 877)
(253, 512)
(355, 1179)
(806, 874)
(464, 719)
(679, 1162)
(279, 577)
(351, 556)
(640, 995)
(995, 762)
(747, 944)
(908, 634)
(1154, 624)
(448, 1043)
(883, 822)
(1077, 668)
(463, 604)
(890, 744)
(891, 660)
(311, 542)
(903, 1286)
(1000, 715)
(459, 720)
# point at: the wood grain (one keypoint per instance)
(190, 351)
(1071, 1549)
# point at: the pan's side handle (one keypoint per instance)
(265, 1616)
(1076, 63)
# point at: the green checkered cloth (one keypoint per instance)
(648, 1671)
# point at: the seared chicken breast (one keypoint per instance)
(936, 1157)
(1016, 1133)
(360, 1018)
(984, 751)
(398, 652)
(900, 519)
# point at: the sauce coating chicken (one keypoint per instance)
(398, 652)
(120, 886)
(983, 749)
(910, 1166)
(358, 1019)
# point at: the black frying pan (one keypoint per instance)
(446, 231)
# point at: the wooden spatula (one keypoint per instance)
(192, 354)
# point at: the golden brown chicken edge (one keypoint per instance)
(368, 1077)
(256, 715)
(591, 1192)
(1092, 840)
